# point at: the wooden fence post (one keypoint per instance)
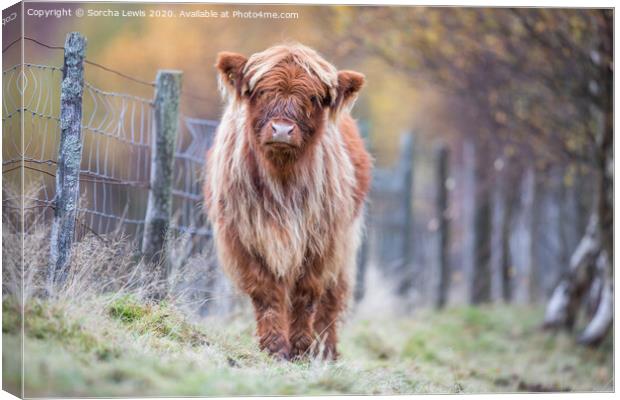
(69, 158)
(406, 169)
(441, 158)
(166, 118)
(362, 253)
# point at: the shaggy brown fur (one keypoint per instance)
(286, 180)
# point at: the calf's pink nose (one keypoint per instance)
(281, 130)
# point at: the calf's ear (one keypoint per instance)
(349, 85)
(230, 66)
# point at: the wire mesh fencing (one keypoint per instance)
(116, 157)
(30, 95)
(117, 132)
(195, 137)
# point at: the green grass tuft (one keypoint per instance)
(11, 316)
(160, 320)
(127, 309)
(417, 348)
(477, 319)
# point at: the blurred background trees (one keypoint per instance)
(536, 87)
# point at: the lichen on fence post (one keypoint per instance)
(69, 158)
(158, 212)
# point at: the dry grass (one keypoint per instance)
(104, 264)
(100, 334)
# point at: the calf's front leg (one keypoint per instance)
(330, 308)
(304, 301)
(268, 296)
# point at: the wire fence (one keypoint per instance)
(37, 86)
(115, 168)
(189, 163)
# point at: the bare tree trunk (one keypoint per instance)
(597, 245)
(443, 227)
(534, 278)
(593, 298)
(603, 317)
(591, 268)
(598, 327)
(564, 303)
(602, 321)
(507, 269)
(480, 290)
(606, 144)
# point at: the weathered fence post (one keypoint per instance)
(443, 231)
(362, 267)
(406, 168)
(69, 158)
(166, 117)
(362, 254)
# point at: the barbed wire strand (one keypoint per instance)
(44, 44)
(108, 69)
(87, 61)
(111, 70)
(131, 78)
(8, 46)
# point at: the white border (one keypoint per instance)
(470, 3)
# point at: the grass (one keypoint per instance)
(98, 336)
(122, 346)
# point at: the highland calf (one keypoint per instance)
(286, 181)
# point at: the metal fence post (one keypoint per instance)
(158, 212)
(443, 228)
(69, 158)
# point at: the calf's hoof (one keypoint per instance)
(302, 347)
(277, 346)
(330, 353)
